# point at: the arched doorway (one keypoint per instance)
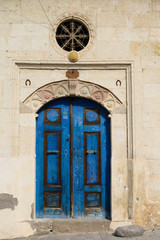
(73, 160)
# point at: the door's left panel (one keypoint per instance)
(53, 160)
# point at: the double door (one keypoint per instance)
(73, 160)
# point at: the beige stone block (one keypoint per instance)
(124, 34)
(151, 91)
(151, 105)
(1, 92)
(156, 5)
(137, 88)
(106, 33)
(25, 170)
(139, 152)
(28, 29)
(6, 128)
(110, 19)
(152, 63)
(9, 227)
(51, 11)
(70, 3)
(151, 77)
(148, 135)
(19, 43)
(13, 5)
(6, 185)
(118, 136)
(3, 45)
(7, 94)
(3, 58)
(120, 193)
(27, 120)
(5, 150)
(145, 48)
(119, 143)
(157, 136)
(138, 125)
(154, 34)
(6, 116)
(9, 16)
(151, 152)
(104, 4)
(27, 140)
(35, 55)
(15, 145)
(40, 43)
(141, 210)
(5, 70)
(153, 189)
(151, 120)
(134, 6)
(146, 19)
(33, 12)
(139, 180)
(110, 50)
(153, 167)
(5, 29)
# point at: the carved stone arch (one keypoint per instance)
(75, 88)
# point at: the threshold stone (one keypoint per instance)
(129, 231)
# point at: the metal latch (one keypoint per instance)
(50, 152)
(91, 151)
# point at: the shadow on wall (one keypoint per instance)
(8, 201)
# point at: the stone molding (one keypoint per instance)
(72, 87)
(105, 65)
(121, 114)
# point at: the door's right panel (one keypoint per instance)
(91, 158)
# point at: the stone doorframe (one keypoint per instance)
(121, 125)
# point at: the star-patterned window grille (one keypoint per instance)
(72, 35)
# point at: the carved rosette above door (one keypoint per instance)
(81, 89)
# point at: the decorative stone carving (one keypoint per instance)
(46, 93)
(109, 104)
(69, 88)
(34, 102)
(61, 91)
(84, 91)
(56, 88)
(97, 96)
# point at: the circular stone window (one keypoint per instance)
(72, 35)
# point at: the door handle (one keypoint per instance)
(50, 152)
(91, 151)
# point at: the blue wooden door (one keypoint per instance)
(73, 160)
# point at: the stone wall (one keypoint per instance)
(124, 33)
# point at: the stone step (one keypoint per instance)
(73, 226)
